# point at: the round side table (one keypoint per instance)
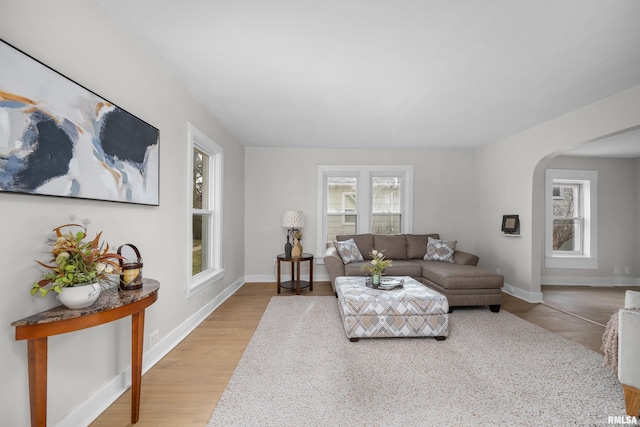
(295, 282)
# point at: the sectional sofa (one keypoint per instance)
(456, 275)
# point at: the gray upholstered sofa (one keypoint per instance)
(461, 281)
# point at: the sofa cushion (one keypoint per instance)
(417, 244)
(440, 250)
(456, 276)
(403, 268)
(393, 246)
(348, 251)
(363, 241)
(398, 268)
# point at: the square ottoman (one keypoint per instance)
(413, 311)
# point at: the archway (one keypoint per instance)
(617, 159)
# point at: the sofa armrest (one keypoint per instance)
(632, 299)
(333, 263)
(465, 258)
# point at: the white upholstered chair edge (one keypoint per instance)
(629, 352)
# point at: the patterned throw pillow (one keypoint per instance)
(348, 251)
(440, 250)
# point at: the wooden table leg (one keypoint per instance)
(298, 279)
(311, 274)
(37, 354)
(278, 262)
(137, 340)
(293, 278)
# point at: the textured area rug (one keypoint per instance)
(300, 369)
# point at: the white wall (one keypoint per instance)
(617, 222)
(281, 179)
(637, 180)
(505, 176)
(80, 40)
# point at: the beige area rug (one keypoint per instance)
(300, 369)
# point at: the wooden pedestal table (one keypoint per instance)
(111, 305)
(295, 282)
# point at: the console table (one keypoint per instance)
(295, 282)
(111, 305)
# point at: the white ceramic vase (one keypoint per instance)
(80, 296)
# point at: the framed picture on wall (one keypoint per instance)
(510, 224)
(58, 138)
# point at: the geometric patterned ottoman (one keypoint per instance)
(413, 311)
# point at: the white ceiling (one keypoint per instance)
(389, 73)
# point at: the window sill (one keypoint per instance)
(204, 281)
(569, 261)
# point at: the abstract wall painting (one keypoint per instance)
(58, 138)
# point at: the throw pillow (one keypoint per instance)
(440, 250)
(363, 241)
(348, 251)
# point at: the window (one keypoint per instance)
(568, 218)
(341, 211)
(363, 199)
(348, 205)
(205, 225)
(571, 218)
(386, 206)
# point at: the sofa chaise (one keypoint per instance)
(457, 276)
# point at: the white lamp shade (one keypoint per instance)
(292, 219)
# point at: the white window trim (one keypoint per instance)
(206, 278)
(364, 174)
(589, 258)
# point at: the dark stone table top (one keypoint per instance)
(108, 299)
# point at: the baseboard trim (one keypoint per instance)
(532, 297)
(590, 281)
(91, 408)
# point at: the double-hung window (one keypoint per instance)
(363, 199)
(341, 204)
(205, 225)
(571, 219)
(568, 217)
(348, 208)
(386, 204)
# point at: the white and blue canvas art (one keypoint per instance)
(58, 138)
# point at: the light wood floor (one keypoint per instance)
(184, 387)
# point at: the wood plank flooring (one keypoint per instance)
(594, 303)
(184, 387)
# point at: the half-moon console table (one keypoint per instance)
(111, 305)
